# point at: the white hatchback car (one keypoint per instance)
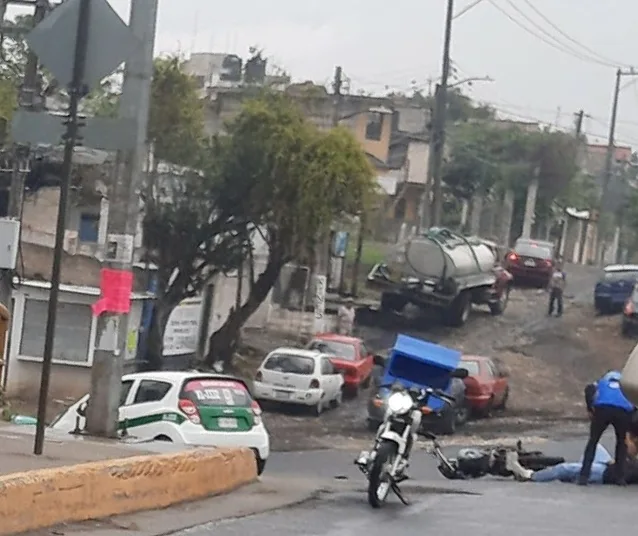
(190, 408)
(295, 376)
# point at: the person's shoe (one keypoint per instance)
(582, 480)
(513, 466)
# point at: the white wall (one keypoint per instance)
(418, 152)
(68, 379)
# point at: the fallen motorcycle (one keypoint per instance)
(473, 463)
(385, 465)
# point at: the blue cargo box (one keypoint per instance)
(417, 363)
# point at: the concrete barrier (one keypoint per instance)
(42, 498)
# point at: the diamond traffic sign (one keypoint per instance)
(110, 41)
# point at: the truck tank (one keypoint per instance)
(441, 254)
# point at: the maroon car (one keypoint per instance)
(531, 261)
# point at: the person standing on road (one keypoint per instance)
(607, 405)
(345, 318)
(556, 288)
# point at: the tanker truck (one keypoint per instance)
(445, 271)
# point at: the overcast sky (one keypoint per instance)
(381, 43)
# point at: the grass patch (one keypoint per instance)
(371, 253)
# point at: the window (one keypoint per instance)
(621, 275)
(72, 331)
(493, 369)
(89, 227)
(151, 391)
(326, 367)
(214, 392)
(363, 350)
(374, 126)
(125, 389)
(291, 364)
(340, 350)
(534, 250)
(472, 367)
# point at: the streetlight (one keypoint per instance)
(466, 9)
(470, 80)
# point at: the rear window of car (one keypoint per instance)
(338, 349)
(473, 368)
(291, 364)
(537, 251)
(216, 392)
(621, 275)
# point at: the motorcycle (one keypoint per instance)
(386, 464)
(471, 463)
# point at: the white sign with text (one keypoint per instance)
(182, 330)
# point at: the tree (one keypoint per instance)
(188, 225)
(13, 60)
(293, 181)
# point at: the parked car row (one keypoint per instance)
(485, 389)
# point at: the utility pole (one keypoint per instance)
(108, 361)
(580, 116)
(28, 101)
(437, 142)
(609, 160)
(337, 84)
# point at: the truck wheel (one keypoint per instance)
(498, 307)
(459, 312)
(392, 302)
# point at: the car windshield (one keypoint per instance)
(472, 367)
(621, 275)
(342, 350)
(216, 392)
(291, 364)
(529, 249)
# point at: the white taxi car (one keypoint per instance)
(295, 376)
(190, 408)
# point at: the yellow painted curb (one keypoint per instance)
(42, 498)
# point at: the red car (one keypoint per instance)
(531, 261)
(487, 385)
(351, 357)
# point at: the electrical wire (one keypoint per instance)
(570, 38)
(558, 45)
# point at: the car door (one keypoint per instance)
(144, 410)
(329, 378)
(498, 382)
(366, 361)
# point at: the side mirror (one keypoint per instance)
(460, 373)
(379, 360)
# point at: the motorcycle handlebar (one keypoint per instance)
(424, 394)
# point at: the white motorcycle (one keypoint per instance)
(385, 466)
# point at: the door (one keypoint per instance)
(330, 378)
(143, 413)
(498, 382)
(367, 361)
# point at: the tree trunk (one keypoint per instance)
(224, 342)
(155, 342)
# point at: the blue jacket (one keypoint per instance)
(608, 392)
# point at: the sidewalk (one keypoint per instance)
(16, 449)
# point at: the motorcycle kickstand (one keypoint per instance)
(399, 494)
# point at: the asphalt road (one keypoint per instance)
(491, 507)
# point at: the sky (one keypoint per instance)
(547, 63)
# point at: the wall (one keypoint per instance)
(378, 148)
(22, 373)
(418, 155)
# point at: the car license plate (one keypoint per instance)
(227, 422)
(284, 395)
(530, 263)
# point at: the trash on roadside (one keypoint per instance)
(24, 420)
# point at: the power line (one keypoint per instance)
(558, 46)
(567, 36)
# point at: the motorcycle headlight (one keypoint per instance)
(400, 403)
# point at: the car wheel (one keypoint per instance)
(503, 405)
(489, 408)
(338, 399)
(317, 409)
(163, 438)
(261, 465)
(462, 414)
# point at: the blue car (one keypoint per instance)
(615, 287)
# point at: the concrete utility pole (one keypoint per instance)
(108, 360)
(337, 85)
(530, 206)
(28, 101)
(437, 142)
(580, 116)
(609, 160)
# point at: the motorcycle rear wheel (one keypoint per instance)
(379, 484)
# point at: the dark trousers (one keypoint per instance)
(556, 297)
(602, 418)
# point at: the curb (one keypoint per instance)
(36, 499)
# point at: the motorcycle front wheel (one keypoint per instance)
(379, 482)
